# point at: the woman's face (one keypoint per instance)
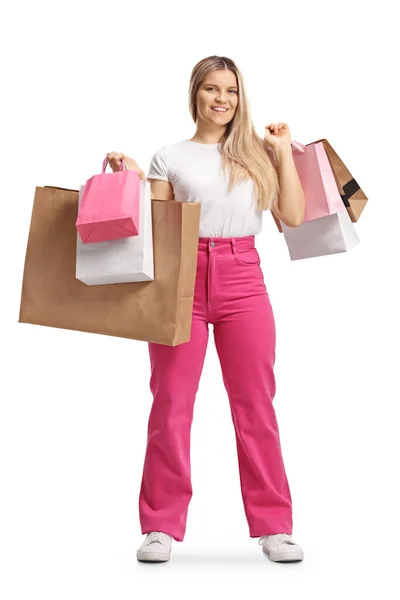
(218, 89)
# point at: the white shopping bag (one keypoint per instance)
(124, 260)
(327, 235)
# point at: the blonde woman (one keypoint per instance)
(228, 168)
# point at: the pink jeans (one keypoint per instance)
(229, 293)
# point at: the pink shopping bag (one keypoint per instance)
(110, 206)
(317, 180)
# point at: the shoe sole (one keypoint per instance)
(152, 557)
(287, 557)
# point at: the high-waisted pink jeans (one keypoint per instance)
(229, 293)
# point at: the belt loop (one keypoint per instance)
(233, 241)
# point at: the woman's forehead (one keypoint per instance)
(223, 77)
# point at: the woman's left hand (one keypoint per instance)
(277, 135)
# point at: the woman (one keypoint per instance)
(226, 167)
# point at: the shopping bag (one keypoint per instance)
(321, 193)
(327, 235)
(110, 206)
(157, 311)
(123, 260)
(352, 195)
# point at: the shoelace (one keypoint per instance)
(156, 536)
(279, 537)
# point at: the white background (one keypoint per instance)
(83, 79)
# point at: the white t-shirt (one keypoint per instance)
(195, 173)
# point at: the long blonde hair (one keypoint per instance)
(244, 154)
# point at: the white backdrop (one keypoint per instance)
(83, 79)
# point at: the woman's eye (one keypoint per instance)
(211, 88)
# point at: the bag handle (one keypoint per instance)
(297, 146)
(106, 162)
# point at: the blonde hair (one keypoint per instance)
(244, 154)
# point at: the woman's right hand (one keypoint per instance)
(115, 159)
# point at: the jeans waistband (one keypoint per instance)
(226, 245)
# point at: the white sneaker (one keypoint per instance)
(281, 547)
(155, 548)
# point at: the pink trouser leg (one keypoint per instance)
(166, 487)
(245, 342)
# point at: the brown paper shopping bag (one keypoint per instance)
(157, 311)
(352, 195)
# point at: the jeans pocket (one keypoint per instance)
(248, 257)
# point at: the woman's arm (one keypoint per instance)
(291, 201)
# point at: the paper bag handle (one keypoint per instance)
(106, 161)
(297, 146)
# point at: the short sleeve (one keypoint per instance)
(158, 165)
